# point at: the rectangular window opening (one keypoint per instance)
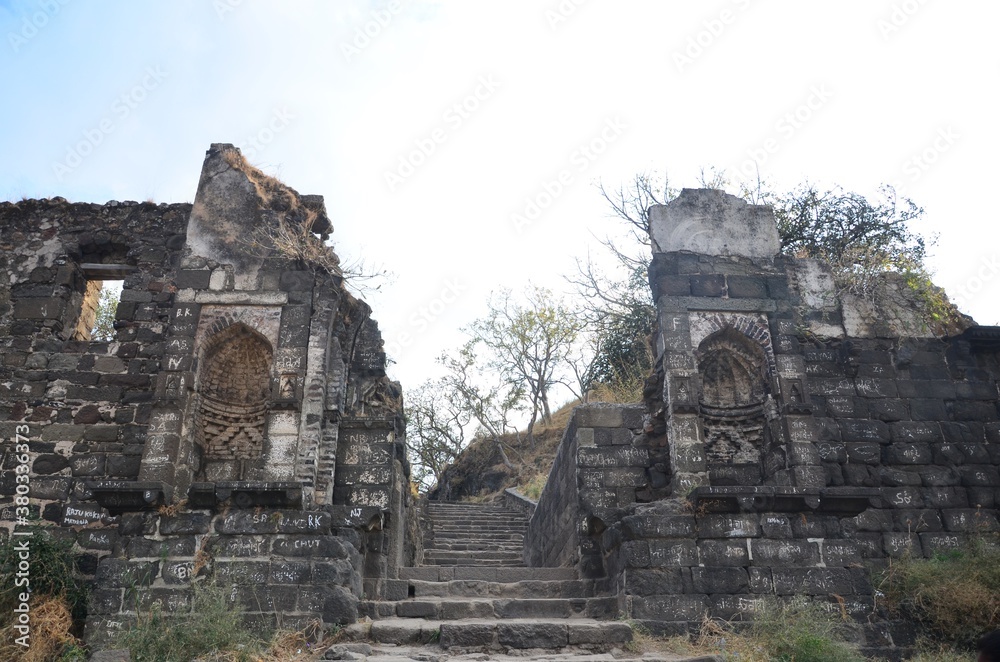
(97, 313)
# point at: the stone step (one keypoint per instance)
(516, 553)
(468, 560)
(477, 545)
(487, 634)
(469, 588)
(473, 548)
(479, 573)
(472, 517)
(455, 608)
(463, 504)
(457, 535)
(472, 527)
(475, 514)
(479, 555)
(471, 560)
(475, 532)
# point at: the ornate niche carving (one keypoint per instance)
(234, 383)
(734, 404)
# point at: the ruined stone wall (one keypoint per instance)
(800, 436)
(238, 429)
(596, 472)
(84, 406)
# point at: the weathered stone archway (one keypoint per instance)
(232, 402)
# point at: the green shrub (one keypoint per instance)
(534, 486)
(58, 599)
(213, 626)
(799, 630)
(955, 595)
(52, 571)
(803, 631)
(930, 652)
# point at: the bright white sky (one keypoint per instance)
(120, 100)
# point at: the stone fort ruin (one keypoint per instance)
(240, 422)
(240, 426)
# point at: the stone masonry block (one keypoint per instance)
(533, 635)
(614, 456)
(658, 526)
(672, 553)
(708, 286)
(909, 454)
(119, 573)
(658, 581)
(800, 454)
(599, 416)
(723, 552)
(193, 279)
(747, 287)
(674, 286)
(857, 430)
(680, 607)
(720, 580)
(784, 553)
(812, 581)
(728, 526)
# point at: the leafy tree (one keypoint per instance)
(858, 236)
(436, 422)
(107, 308)
(492, 406)
(862, 239)
(528, 344)
(618, 307)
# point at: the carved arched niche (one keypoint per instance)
(233, 386)
(733, 404)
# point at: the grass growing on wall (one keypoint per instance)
(798, 630)
(57, 603)
(955, 595)
(214, 630)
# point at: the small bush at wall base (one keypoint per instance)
(52, 572)
(57, 601)
(213, 626)
(931, 652)
(795, 631)
(955, 595)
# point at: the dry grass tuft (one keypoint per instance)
(956, 595)
(796, 631)
(288, 228)
(51, 624)
(626, 390)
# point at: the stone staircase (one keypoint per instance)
(473, 591)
